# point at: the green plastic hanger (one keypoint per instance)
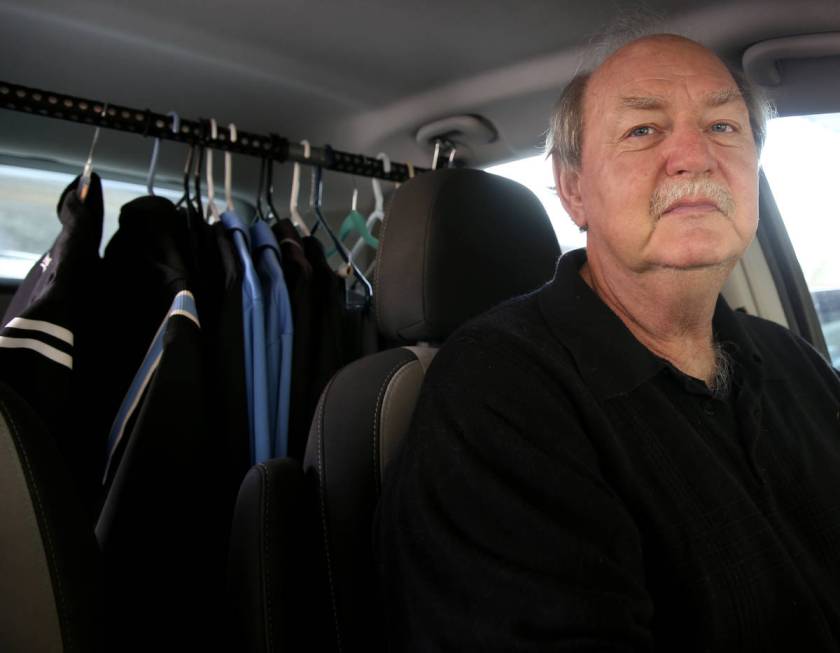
(355, 222)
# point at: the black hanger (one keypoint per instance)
(279, 147)
(185, 198)
(274, 214)
(260, 212)
(197, 178)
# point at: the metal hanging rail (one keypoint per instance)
(156, 125)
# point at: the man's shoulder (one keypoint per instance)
(511, 339)
(783, 349)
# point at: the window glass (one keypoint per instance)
(535, 173)
(28, 219)
(801, 160)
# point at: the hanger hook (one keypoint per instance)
(452, 156)
(229, 169)
(377, 186)
(212, 209)
(386, 162)
(84, 182)
(150, 178)
(294, 211)
(436, 155)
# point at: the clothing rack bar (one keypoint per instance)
(197, 132)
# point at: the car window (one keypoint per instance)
(801, 160)
(28, 220)
(535, 173)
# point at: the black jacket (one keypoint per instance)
(562, 488)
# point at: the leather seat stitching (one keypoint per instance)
(323, 492)
(266, 558)
(44, 522)
(395, 371)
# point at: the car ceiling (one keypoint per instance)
(362, 75)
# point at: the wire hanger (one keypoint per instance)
(229, 170)
(212, 209)
(199, 154)
(273, 213)
(294, 211)
(259, 213)
(150, 178)
(187, 168)
(345, 255)
(84, 182)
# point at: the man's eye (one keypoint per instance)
(645, 130)
(722, 128)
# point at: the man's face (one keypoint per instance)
(669, 173)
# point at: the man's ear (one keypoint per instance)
(567, 181)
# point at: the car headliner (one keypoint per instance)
(362, 75)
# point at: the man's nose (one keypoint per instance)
(689, 152)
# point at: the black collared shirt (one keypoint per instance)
(563, 488)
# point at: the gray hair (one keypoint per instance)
(564, 139)
(721, 382)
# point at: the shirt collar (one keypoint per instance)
(234, 223)
(609, 358)
(263, 237)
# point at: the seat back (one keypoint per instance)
(454, 244)
(50, 572)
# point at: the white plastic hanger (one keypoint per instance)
(294, 212)
(212, 210)
(378, 213)
(150, 178)
(84, 182)
(229, 170)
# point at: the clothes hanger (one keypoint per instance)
(313, 189)
(355, 221)
(273, 213)
(295, 215)
(259, 213)
(436, 155)
(84, 181)
(229, 170)
(212, 210)
(150, 178)
(199, 155)
(378, 213)
(451, 157)
(185, 198)
(318, 187)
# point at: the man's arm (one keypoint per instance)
(496, 530)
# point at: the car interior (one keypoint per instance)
(408, 140)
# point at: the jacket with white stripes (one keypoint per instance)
(49, 339)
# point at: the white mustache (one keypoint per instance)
(666, 196)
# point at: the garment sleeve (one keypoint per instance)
(496, 530)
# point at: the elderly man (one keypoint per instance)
(618, 461)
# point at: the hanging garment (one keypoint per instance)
(217, 275)
(341, 334)
(278, 333)
(152, 529)
(253, 320)
(298, 275)
(48, 342)
(218, 282)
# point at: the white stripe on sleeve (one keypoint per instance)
(52, 353)
(44, 327)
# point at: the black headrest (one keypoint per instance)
(455, 243)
